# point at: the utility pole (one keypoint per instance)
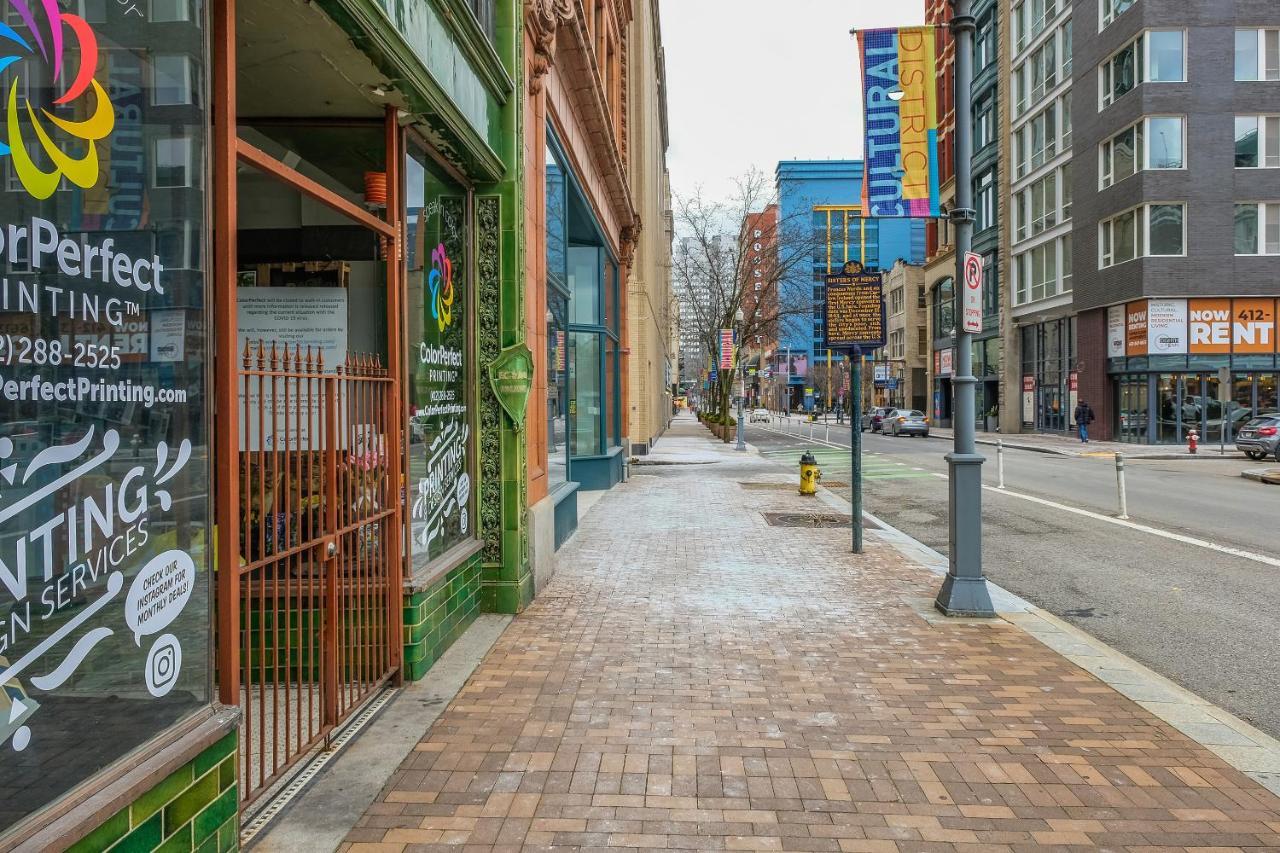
(964, 591)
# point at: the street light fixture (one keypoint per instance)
(964, 590)
(738, 317)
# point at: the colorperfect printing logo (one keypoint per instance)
(51, 29)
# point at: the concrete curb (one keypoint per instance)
(1270, 476)
(1074, 454)
(1239, 744)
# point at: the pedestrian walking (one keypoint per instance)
(1084, 417)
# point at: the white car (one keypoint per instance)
(759, 416)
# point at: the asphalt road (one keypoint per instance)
(1203, 618)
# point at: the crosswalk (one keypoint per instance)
(836, 464)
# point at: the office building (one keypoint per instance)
(820, 226)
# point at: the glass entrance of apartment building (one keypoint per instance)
(1180, 402)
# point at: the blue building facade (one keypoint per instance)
(819, 209)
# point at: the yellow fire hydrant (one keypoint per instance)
(809, 475)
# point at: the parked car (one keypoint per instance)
(873, 418)
(1260, 437)
(759, 416)
(910, 422)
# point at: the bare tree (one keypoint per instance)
(713, 276)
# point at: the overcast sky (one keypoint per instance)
(752, 82)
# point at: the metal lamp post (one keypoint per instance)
(742, 380)
(964, 591)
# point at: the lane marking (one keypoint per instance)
(1133, 525)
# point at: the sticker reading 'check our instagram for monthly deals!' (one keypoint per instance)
(54, 34)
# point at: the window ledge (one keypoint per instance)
(425, 577)
(90, 804)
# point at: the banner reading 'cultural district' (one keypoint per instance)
(899, 76)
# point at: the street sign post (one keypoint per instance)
(971, 306)
(853, 318)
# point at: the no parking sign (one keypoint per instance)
(971, 313)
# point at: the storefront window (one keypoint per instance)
(105, 549)
(557, 323)
(584, 395)
(441, 446)
(591, 280)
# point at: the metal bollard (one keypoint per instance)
(828, 433)
(1000, 461)
(1124, 501)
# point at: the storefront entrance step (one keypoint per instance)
(322, 815)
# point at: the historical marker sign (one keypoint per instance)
(854, 312)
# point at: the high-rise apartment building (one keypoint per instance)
(1178, 229)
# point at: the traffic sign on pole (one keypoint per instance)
(971, 313)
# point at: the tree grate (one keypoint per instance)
(810, 519)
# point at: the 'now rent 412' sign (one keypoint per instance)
(1218, 326)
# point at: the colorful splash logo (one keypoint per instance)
(51, 33)
(440, 286)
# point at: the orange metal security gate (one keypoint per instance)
(319, 577)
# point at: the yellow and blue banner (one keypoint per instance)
(899, 76)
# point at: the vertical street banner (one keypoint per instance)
(726, 349)
(899, 76)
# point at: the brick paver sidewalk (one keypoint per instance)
(694, 679)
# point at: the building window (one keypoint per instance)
(169, 11)
(1165, 142)
(1020, 152)
(922, 341)
(172, 79)
(1064, 261)
(990, 286)
(1257, 54)
(985, 194)
(984, 44)
(944, 308)
(1156, 56)
(1152, 229)
(921, 297)
(1043, 203)
(1036, 273)
(1166, 56)
(1110, 9)
(1044, 136)
(984, 123)
(439, 397)
(1166, 224)
(171, 164)
(1257, 142)
(1257, 228)
(1030, 19)
(896, 305)
(898, 344)
(1064, 183)
(1155, 142)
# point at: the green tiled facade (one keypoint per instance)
(196, 808)
(436, 616)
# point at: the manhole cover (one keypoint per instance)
(806, 519)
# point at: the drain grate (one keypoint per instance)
(806, 519)
(813, 519)
(789, 487)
